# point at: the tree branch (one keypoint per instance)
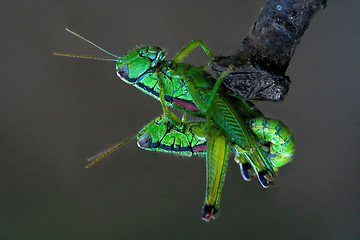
(262, 60)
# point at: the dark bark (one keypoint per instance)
(262, 60)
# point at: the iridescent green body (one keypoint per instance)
(231, 122)
(162, 136)
(147, 74)
(192, 139)
(273, 131)
(190, 89)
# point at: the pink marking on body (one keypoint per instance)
(199, 148)
(186, 104)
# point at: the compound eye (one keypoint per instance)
(123, 71)
(144, 141)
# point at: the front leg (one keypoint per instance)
(191, 46)
(167, 113)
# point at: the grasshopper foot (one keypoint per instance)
(247, 171)
(266, 179)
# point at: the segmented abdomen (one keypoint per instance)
(273, 132)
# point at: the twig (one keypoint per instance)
(262, 60)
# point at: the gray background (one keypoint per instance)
(56, 112)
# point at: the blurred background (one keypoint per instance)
(56, 112)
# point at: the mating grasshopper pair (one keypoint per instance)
(261, 145)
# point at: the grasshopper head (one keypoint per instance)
(131, 66)
(150, 136)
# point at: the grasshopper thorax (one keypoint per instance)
(131, 66)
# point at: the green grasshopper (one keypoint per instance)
(191, 139)
(160, 135)
(174, 83)
(193, 90)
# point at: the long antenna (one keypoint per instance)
(103, 154)
(86, 40)
(83, 56)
